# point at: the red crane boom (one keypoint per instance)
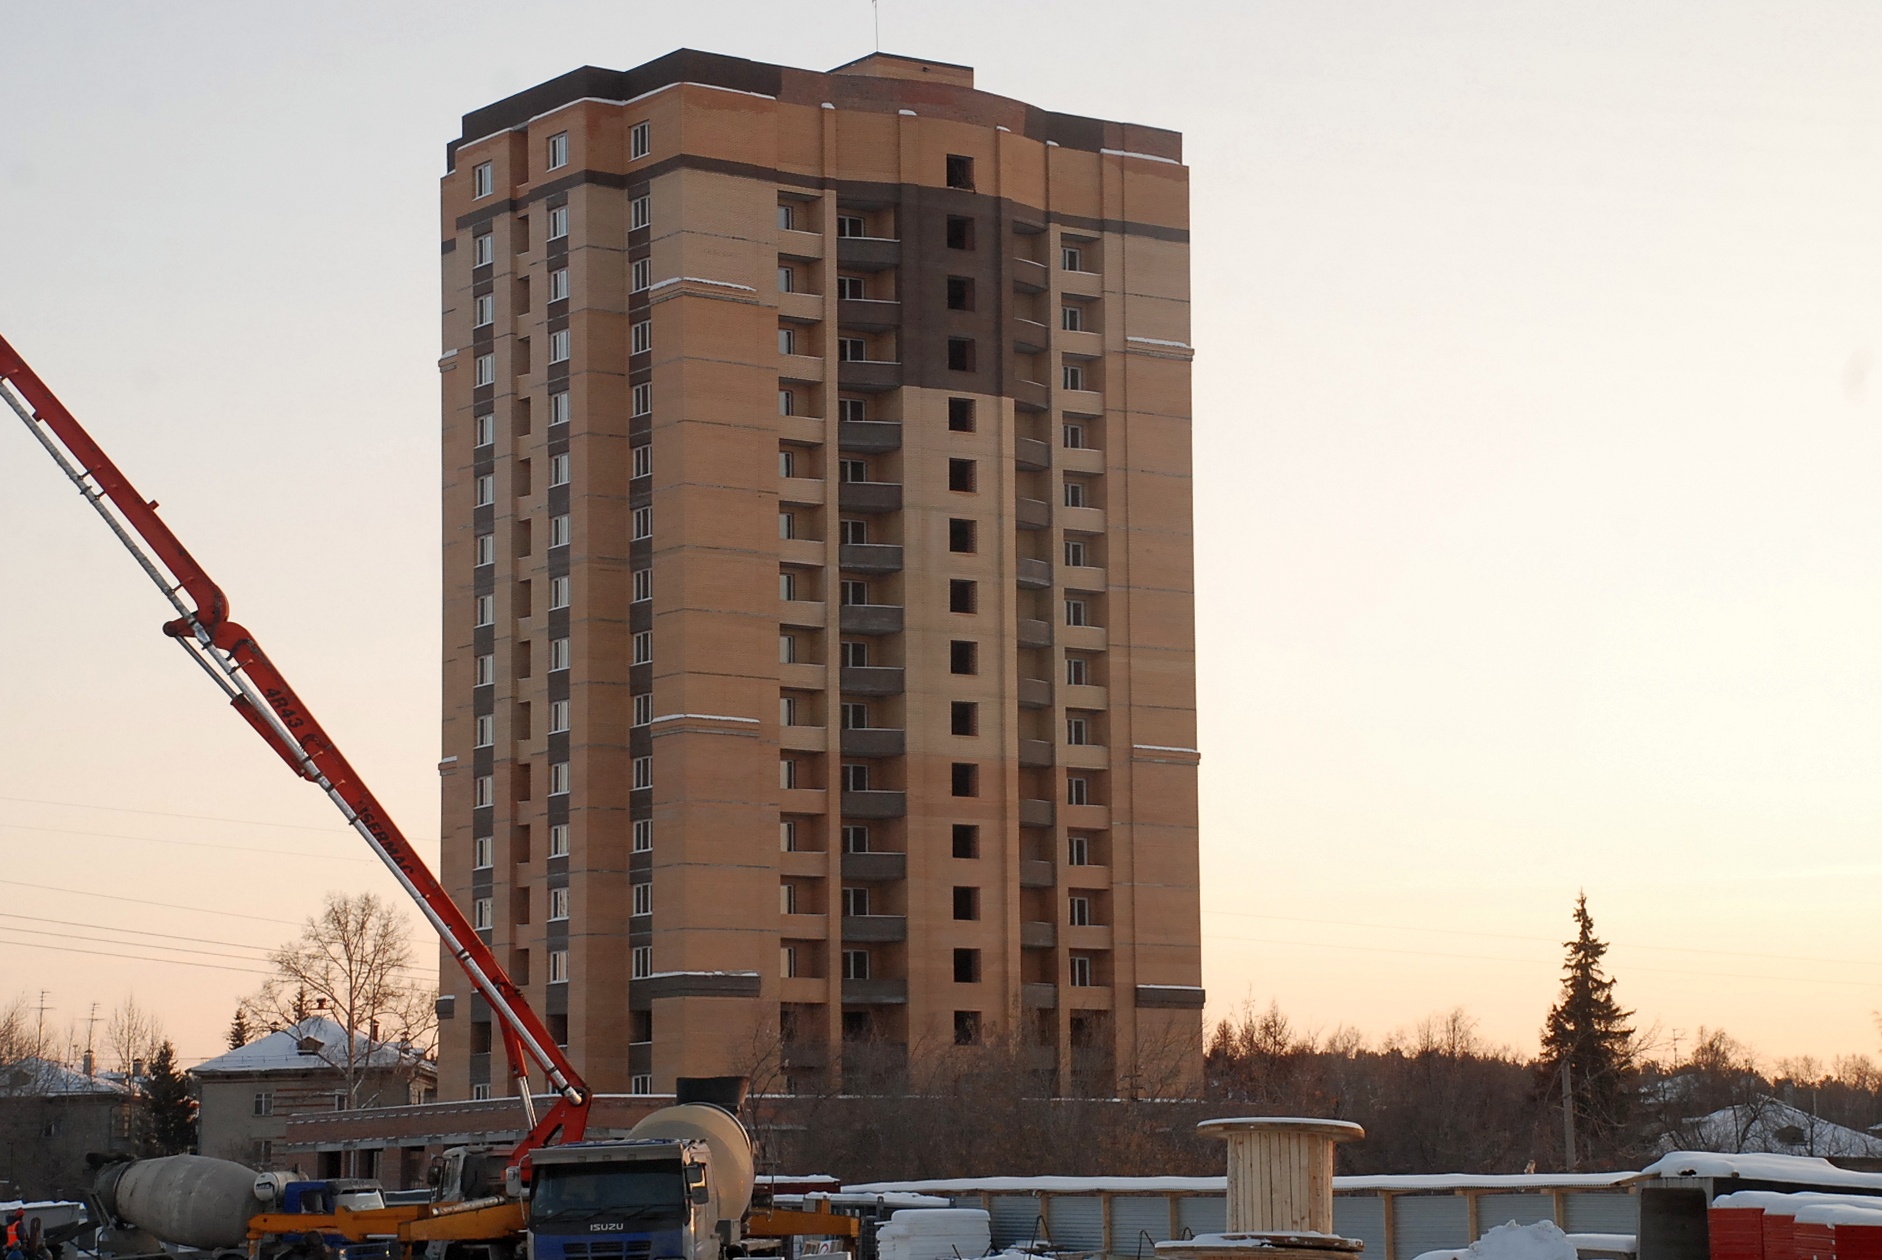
(256, 689)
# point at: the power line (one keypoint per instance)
(101, 940)
(99, 953)
(157, 813)
(139, 901)
(102, 927)
(194, 844)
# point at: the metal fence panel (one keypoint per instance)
(1361, 1216)
(1428, 1222)
(1015, 1218)
(1203, 1213)
(1133, 1216)
(1075, 1221)
(1601, 1212)
(1524, 1209)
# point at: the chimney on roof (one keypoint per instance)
(309, 1045)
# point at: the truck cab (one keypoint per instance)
(635, 1199)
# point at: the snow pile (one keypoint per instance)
(934, 1234)
(1540, 1241)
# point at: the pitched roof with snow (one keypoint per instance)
(1767, 1125)
(315, 1044)
(42, 1078)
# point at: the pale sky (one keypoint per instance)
(1535, 433)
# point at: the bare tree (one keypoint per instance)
(352, 964)
(133, 1036)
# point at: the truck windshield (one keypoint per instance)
(640, 1190)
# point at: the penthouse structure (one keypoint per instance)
(819, 680)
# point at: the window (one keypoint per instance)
(486, 490)
(481, 853)
(1079, 912)
(855, 717)
(855, 593)
(640, 1084)
(787, 463)
(787, 649)
(1077, 671)
(558, 654)
(558, 840)
(960, 293)
(486, 730)
(264, 1103)
(643, 647)
(640, 212)
(965, 779)
(1073, 435)
(486, 549)
(486, 369)
(852, 288)
(966, 903)
(486, 669)
(852, 350)
(643, 400)
(966, 1028)
(643, 709)
(961, 415)
(641, 339)
(482, 914)
(558, 150)
(787, 836)
(643, 899)
(855, 777)
(855, 655)
(853, 533)
(960, 354)
(643, 523)
(787, 280)
(855, 902)
(559, 958)
(964, 717)
(787, 710)
(787, 403)
(558, 717)
(787, 220)
(855, 839)
(558, 286)
(559, 530)
(558, 903)
(966, 840)
(1077, 790)
(484, 310)
(787, 341)
(960, 232)
(1076, 613)
(559, 407)
(1075, 494)
(486, 430)
(483, 791)
(1081, 971)
(787, 961)
(559, 469)
(960, 171)
(643, 772)
(643, 274)
(851, 225)
(1077, 731)
(852, 470)
(787, 898)
(558, 592)
(640, 140)
(787, 586)
(643, 967)
(963, 657)
(850, 410)
(963, 595)
(962, 475)
(483, 249)
(483, 179)
(643, 460)
(558, 222)
(961, 536)
(856, 964)
(966, 966)
(1074, 376)
(486, 610)
(643, 835)
(1071, 258)
(480, 1091)
(643, 585)
(558, 778)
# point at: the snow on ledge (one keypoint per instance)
(1803, 1170)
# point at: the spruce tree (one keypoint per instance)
(172, 1110)
(240, 1034)
(1588, 1037)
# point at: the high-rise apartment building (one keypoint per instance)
(819, 675)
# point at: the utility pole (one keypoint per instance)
(40, 1034)
(91, 1022)
(1568, 1111)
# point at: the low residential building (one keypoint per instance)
(51, 1117)
(248, 1094)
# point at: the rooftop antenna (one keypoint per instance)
(875, 7)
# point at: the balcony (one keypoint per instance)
(1033, 813)
(874, 928)
(875, 804)
(1032, 514)
(804, 1055)
(869, 496)
(1032, 454)
(1035, 874)
(1035, 753)
(802, 738)
(1085, 403)
(1037, 936)
(875, 992)
(875, 867)
(868, 315)
(1087, 877)
(1034, 633)
(873, 741)
(1082, 520)
(870, 680)
(870, 619)
(1092, 936)
(804, 927)
(796, 244)
(868, 253)
(1035, 693)
(1084, 638)
(870, 437)
(1082, 283)
(804, 368)
(1039, 997)
(1030, 336)
(806, 553)
(802, 307)
(1033, 574)
(802, 612)
(802, 490)
(1081, 459)
(805, 800)
(1085, 756)
(1029, 276)
(873, 558)
(1028, 395)
(809, 676)
(1083, 577)
(868, 376)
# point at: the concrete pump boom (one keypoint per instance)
(229, 655)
